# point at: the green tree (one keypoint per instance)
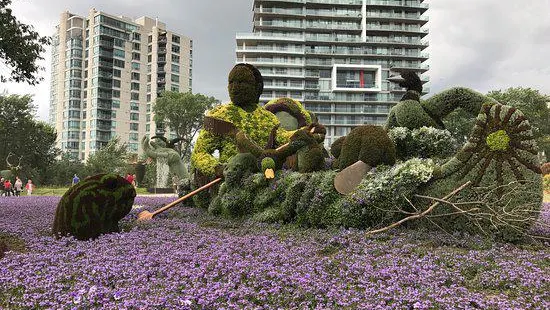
(183, 113)
(20, 134)
(20, 47)
(112, 158)
(61, 171)
(534, 106)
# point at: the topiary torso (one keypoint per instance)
(256, 125)
(93, 207)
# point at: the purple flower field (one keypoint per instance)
(185, 259)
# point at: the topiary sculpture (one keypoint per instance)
(93, 207)
(500, 159)
(413, 113)
(545, 168)
(368, 143)
(245, 87)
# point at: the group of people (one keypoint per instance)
(7, 188)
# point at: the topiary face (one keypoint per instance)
(239, 166)
(243, 88)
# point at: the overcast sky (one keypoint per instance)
(482, 44)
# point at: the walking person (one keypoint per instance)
(17, 186)
(29, 187)
(7, 187)
(76, 179)
(2, 192)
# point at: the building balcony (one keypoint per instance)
(278, 24)
(351, 27)
(271, 62)
(406, 66)
(334, 13)
(414, 30)
(397, 17)
(105, 64)
(397, 4)
(106, 44)
(162, 39)
(268, 50)
(402, 42)
(162, 50)
(267, 36)
(279, 12)
(161, 60)
(357, 3)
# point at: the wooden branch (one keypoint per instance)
(419, 215)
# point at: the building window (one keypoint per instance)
(134, 126)
(175, 68)
(175, 78)
(116, 72)
(118, 53)
(116, 83)
(134, 96)
(133, 136)
(135, 76)
(134, 106)
(175, 49)
(136, 36)
(175, 58)
(118, 63)
(116, 93)
(175, 87)
(136, 46)
(134, 116)
(134, 86)
(116, 104)
(135, 65)
(136, 56)
(175, 39)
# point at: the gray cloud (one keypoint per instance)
(485, 45)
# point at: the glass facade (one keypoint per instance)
(335, 56)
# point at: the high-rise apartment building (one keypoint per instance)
(335, 55)
(107, 71)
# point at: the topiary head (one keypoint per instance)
(336, 147)
(268, 167)
(245, 86)
(239, 166)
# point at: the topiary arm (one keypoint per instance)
(440, 105)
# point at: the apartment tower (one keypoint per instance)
(335, 55)
(107, 72)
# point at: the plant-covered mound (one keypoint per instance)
(500, 160)
(93, 207)
(424, 142)
(368, 143)
(311, 200)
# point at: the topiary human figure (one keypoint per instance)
(93, 207)
(368, 143)
(413, 113)
(245, 87)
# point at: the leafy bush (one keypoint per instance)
(545, 168)
(424, 142)
(378, 199)
(546, 182)
(368, 143)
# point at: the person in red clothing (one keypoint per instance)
(130, 178)
(7, 187)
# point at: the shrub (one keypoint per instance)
(378, 199)
(93, 207)
(546, 182)
(545, 168)
(368, 143)
(410, 114)
(424, 142)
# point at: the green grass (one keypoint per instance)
(59, 191)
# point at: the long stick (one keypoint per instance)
(146, 215)
(412, 217)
